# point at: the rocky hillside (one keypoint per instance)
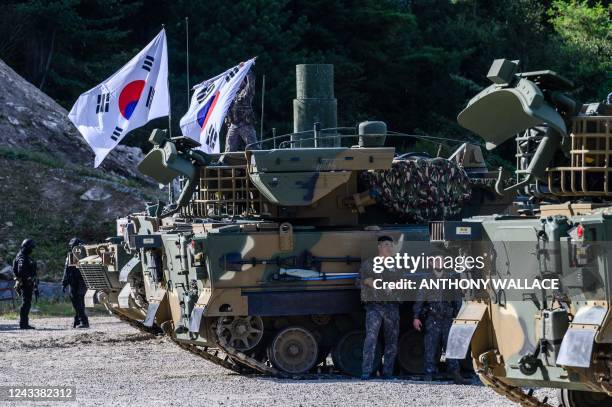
(49, 188)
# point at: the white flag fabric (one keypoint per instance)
(209, 104)
(129, 99)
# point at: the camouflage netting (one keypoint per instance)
(420, 189)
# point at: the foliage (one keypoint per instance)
(66, 45)
(586, 35)
(51, 222)
(48, 160)
(28, 155)
(412, 63)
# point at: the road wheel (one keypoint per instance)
(348, 354)
(294, 350)
(242, 333)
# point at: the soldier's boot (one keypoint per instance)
(84, 322)
(76, 322)
(387, 373)
(24, 323)
(83, 316)
(427, 377)
(458, 379)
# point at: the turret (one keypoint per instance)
(531, 103)
(308, 177)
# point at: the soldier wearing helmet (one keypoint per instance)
(74, 280)
(26, 284)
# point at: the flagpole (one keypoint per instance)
(187, 55)
(263, 95)
(170, 185)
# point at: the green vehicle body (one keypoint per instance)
(259, 254)
(549, 338)
(200, 275)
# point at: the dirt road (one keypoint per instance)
(114, 364)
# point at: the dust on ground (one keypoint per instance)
(114, 364)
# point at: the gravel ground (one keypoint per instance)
(114, 364)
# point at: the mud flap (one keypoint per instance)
(151, 311)
(154, 308)
(127, 269)
(124, 296)
(463, 328)
(90, 298)
(459, 339)
(195, 318)
(577, 345)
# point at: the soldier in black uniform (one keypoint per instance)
(26, 284)
(74, 279)
(379, 313)
(437, 308)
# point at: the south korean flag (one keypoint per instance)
(129, 99)
(209, 104)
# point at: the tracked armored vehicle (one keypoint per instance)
(542, 337)
(101, 265)
(254, 266)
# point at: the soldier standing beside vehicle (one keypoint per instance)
(377, 313)
(26, 279)
(74, 279)
(240, 118)
(437, 308)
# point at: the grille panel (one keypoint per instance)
(436, 231)
(95, 276)
(224, 191)
(590, 171)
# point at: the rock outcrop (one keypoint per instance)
(48, 186)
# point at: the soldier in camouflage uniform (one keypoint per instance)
(240, 118)
(377, 314)
(438, 308)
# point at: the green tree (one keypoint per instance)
(412, 63)
(65, 46)
(586, 34)
(223, 34)
(470, 35)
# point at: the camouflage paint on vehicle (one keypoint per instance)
(550, 338)
(258, 257)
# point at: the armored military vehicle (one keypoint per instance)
(112, 289)
(541, 336)
(254, 266)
